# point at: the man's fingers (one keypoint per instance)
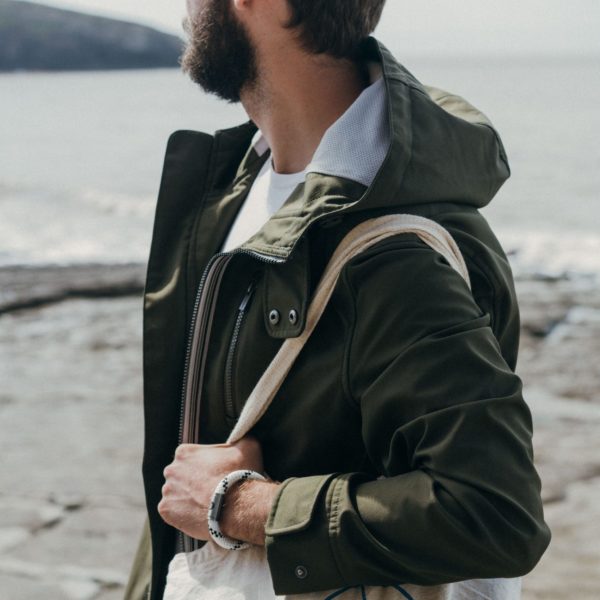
(182, 450)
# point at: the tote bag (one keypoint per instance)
(213, 573)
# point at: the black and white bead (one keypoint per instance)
(216, 506)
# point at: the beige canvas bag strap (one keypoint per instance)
(360, 238)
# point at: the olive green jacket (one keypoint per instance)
(408, 374)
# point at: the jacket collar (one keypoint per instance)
(355, 145)
(441, 149)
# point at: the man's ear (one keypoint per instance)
(266, 20)
(244, 9)
(241, 4)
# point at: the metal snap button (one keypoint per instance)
(301, 572)
(274, 317)
(293, 316)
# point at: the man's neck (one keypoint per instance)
(297, 100)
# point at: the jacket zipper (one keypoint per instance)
(195, 358)
(201, 325)
(229, 407)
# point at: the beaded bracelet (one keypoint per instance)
(216, 507)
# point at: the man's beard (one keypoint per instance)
(219, 55)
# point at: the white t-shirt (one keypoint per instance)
(268, 193)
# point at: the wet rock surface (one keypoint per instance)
(558, 362)
(71, 501)
(30, 287)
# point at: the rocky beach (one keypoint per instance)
(71, 501)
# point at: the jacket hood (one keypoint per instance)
(450, 149)
(441, 149)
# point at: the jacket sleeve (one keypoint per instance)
(444, 422)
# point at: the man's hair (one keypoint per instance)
(334, 27)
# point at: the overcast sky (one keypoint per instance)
(432, 27)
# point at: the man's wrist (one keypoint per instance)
(246, 509)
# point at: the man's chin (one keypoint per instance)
(223, 88)
(228, 95)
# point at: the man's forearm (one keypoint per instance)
(247, 506)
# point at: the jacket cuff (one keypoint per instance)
(298, 539)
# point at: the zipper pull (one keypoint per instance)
(247, 297)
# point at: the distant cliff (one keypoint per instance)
(43, 38)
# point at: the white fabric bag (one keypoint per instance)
(212, 573)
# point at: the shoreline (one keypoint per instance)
(30, 287)
(545, 299)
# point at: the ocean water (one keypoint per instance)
(81, 156)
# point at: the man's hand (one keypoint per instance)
(192, 477)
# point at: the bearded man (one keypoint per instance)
(399, 446)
